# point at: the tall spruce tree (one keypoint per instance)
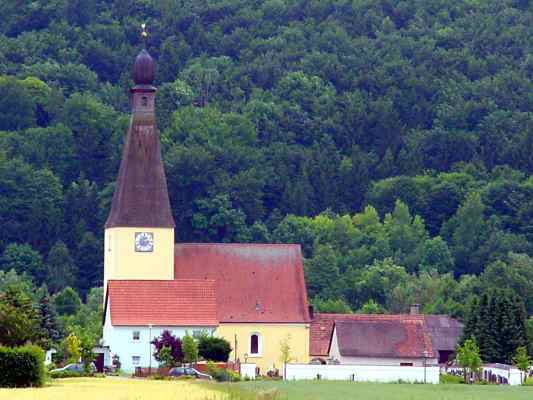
(471, 323)
(518, 333)
(498, 324)
(50, 330)
(61, 270)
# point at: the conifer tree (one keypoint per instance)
(50, 330)
(471, 324)
(61, 270)
(518, 333)
(89, 260)
(497, 322)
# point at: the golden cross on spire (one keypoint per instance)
(144, 33)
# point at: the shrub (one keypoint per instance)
(453, 379)
(222, 374)
(528, 382)
(168, 349)
(213, 348)
(21, 366)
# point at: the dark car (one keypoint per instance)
(185, 371)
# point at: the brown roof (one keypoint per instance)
(254, 282)
(383, 337)
(410, 330)
(141, 194)
(445, 331)
(164, 303)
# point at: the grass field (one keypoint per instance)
(313, 390)
(113, 389)
(137, 389)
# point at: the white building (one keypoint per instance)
(138, 311)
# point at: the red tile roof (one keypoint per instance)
(391, 338)
(445, 331)
(371, 335)
(254, 282)
(183, 302)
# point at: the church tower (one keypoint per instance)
(139, 232)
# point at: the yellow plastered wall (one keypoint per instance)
(271, 336)
(121, 261)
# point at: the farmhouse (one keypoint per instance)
(252, 295)
(401, 340)
(407, 340)
(381, 341)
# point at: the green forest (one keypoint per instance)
(392, 139)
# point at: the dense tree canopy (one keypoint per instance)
(392, 139)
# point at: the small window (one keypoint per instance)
(254, 343)
(144, 101)
(136, 335)
(136, 360)
(406, 364)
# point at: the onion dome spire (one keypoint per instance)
(144, 66)
(144, 69)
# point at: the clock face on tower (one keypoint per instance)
(144, 242)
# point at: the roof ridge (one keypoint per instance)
(161, 280)
(239, 244)
(375, 316)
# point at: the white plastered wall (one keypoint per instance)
(121, 343)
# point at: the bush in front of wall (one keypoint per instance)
(213, 348)
(21, 366)
(222, 374)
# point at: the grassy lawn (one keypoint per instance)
(137, 389)
(113, 389)
(313, 390)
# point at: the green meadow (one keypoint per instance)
(313, 390)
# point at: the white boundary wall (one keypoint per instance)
(248, 371)
(363, 373)
(513, 375)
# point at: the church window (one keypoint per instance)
(255, 344)
(136, 335)
(136, 360)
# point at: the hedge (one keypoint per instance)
(21, 366)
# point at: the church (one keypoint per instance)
(252, 295)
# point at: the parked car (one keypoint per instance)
(185, 371)
(74, 368)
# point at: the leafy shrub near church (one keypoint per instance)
(168, 349)
(222, 374)
(213, 348)
(21, 366)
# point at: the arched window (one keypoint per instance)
(255, 344)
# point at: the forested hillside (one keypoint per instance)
(393, 139)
